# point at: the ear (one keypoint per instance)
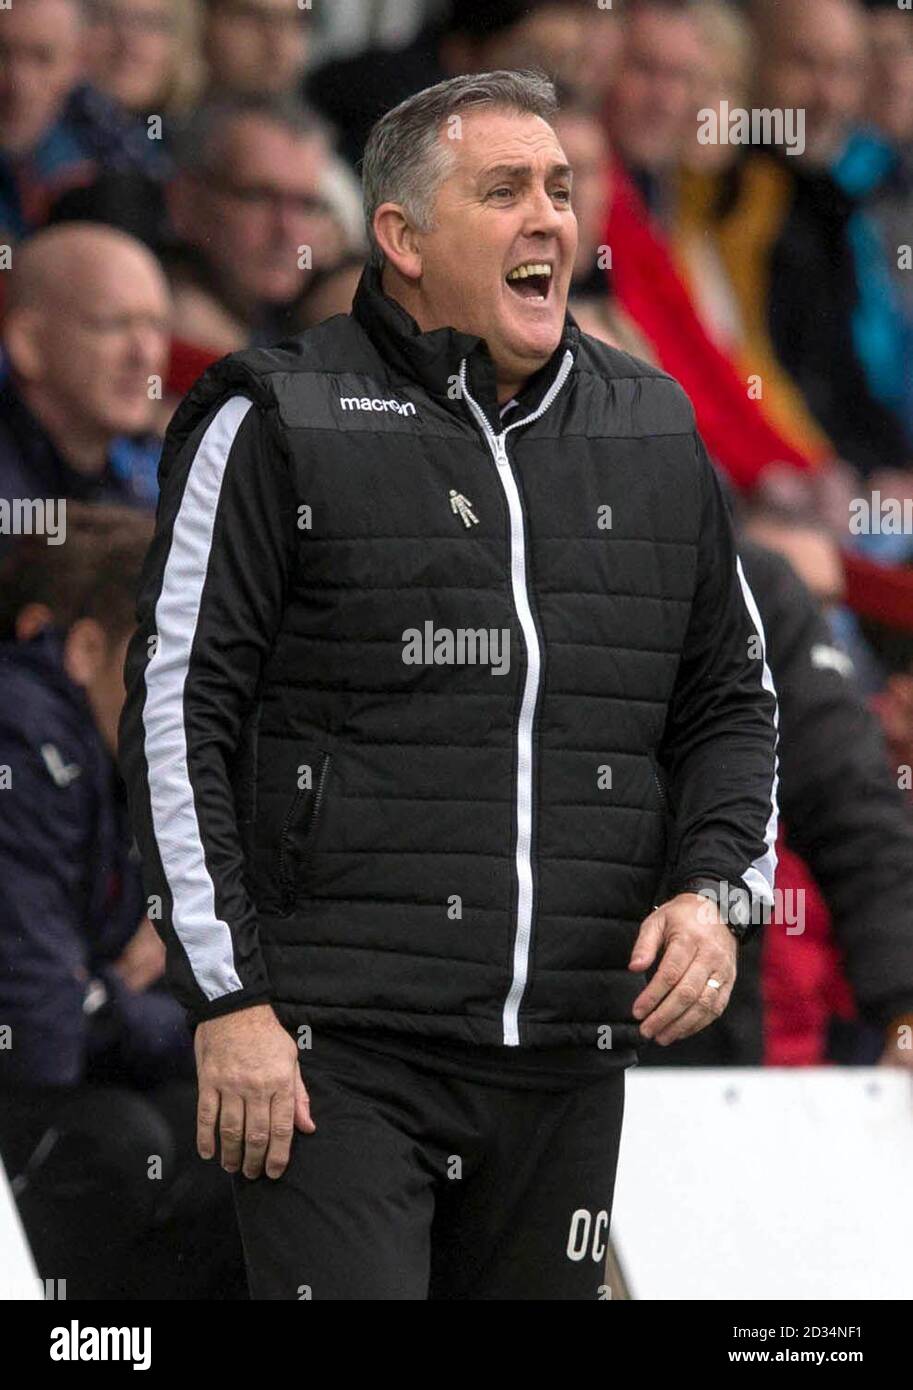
(22, 333)
(398, 240)
(85, 651)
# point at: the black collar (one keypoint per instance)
(434, 358)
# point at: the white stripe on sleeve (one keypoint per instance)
(206, 939)
(759, 876)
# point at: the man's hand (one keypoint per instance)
(249, 1082)
(697, 947)
(142, 960)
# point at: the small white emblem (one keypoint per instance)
(462, 507)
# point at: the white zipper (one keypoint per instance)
(520, 588)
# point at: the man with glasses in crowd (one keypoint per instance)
(249, 209)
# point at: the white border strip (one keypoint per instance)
(206, 939)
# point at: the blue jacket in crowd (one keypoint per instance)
(70, 894)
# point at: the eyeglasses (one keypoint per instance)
(265, 198)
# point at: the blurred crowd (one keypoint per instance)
(179, 180)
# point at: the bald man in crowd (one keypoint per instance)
(85, 343)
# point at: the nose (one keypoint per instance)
(147, 346)
(288, 222)
(542, 217)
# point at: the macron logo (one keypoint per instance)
(366, 403)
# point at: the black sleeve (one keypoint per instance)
(720, 741)
(210, 605)
(842, 810)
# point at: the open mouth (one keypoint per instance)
(532, 280)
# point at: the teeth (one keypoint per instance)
(522, 272)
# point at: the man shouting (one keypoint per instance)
(409, 892)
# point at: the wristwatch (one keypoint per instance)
(734, 902)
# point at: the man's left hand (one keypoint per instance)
(696, 947)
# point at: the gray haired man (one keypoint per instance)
(421, 898)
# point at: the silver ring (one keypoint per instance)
(714, 984)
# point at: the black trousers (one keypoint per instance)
(418, 1185)
(114, 1198)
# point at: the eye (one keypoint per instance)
(504, 189)
(564, 194)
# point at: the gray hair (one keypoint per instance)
(405, 160)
